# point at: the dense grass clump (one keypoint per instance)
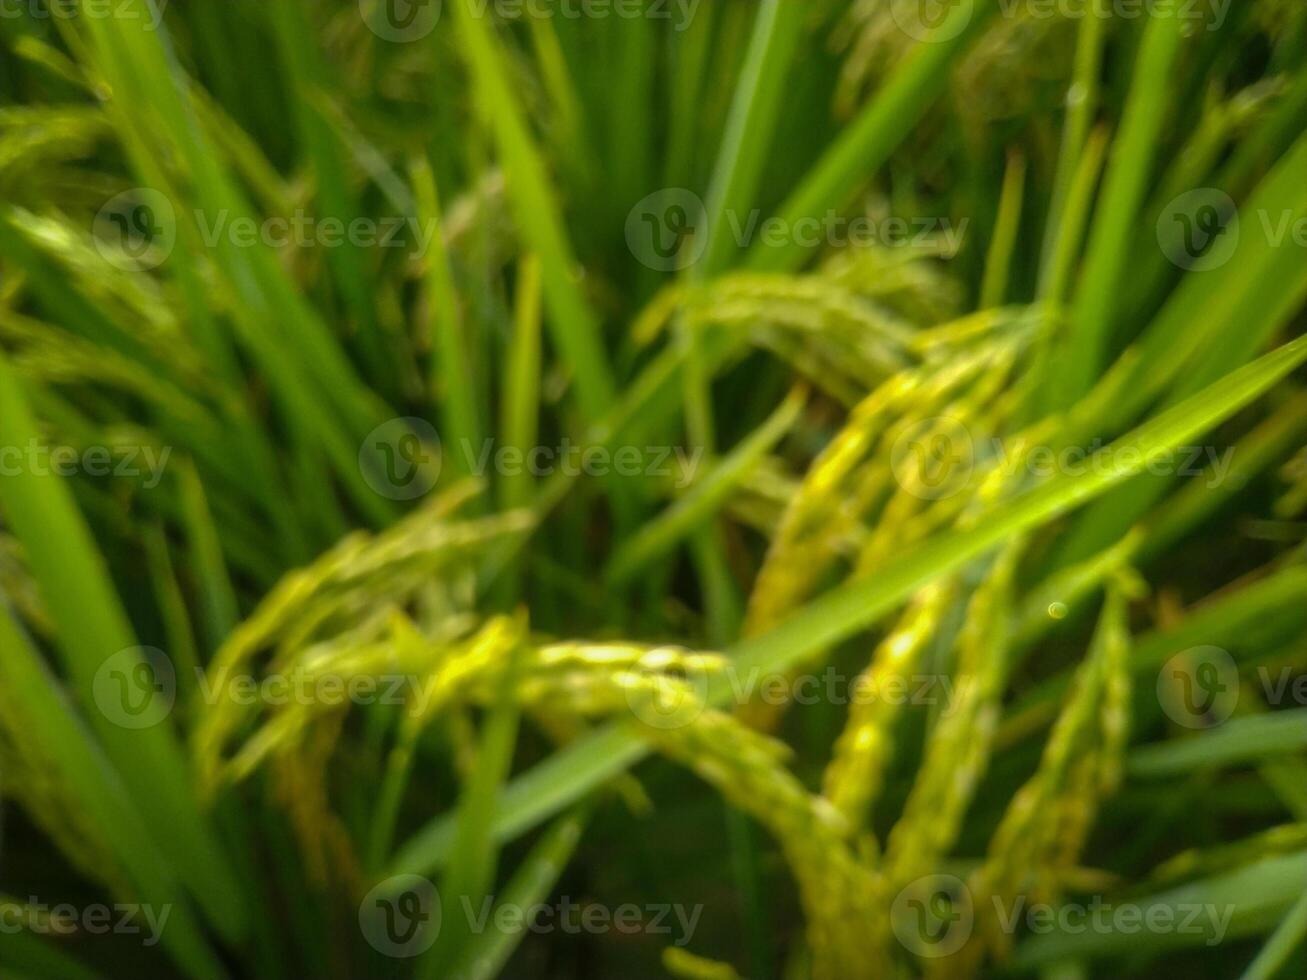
(585, 488)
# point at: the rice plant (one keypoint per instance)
(697, 488)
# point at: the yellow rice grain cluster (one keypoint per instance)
(1045, 826)
(345, 601)
(871, 491)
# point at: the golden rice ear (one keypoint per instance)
(1044, 828)
(958, 746)
(856, 770)
(869, 495)
(346, 598)
(587, 680)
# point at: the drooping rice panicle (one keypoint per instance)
(1043, 829)
(957, 748)
(341, 585)
(857, 768)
